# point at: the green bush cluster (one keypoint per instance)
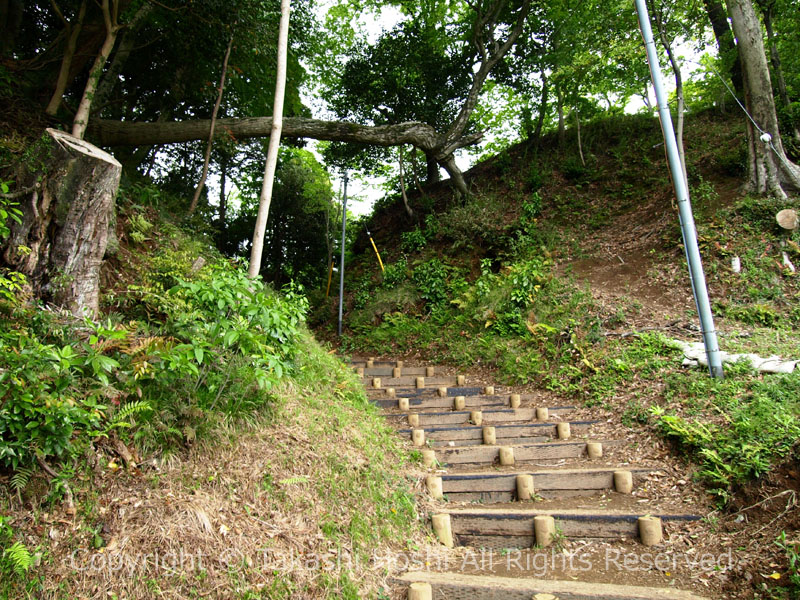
(223, 340)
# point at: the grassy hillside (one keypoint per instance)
(569, 276)
(195, 441)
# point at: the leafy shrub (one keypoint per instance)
(476, 221)
(413, 241)
(224, 338)
(431, 279)
(574, 170)
(395, 273)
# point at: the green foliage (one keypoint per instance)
(15, 558)
(395, 273)
(225, 339)
(791, 548)
(431, 280)
(11, 282)
(759, 424)
(413, 241)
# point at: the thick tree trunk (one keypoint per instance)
(775, 59)
(724, 36)
(432, 168)
(770, 170)
(65, 221)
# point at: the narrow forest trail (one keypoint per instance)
(528, 498)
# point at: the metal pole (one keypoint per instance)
(686, 218)
(341, 261)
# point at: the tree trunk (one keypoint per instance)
(432, 167)
(105, 87)
(537, 132)
(578, 131)
(10, 23)
(207, 158)
(84, 108)
(775, 59)
(274, 144)
(223, 199)
(403, 184)
(72, 30)
(658, 13)
(65, 221)
(727, 48)
(562, 131)
(770, 170)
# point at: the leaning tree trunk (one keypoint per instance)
(65, 222)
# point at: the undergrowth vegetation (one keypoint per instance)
(188, 348)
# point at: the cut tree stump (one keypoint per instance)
(65, 220)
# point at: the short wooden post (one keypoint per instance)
(420, 591)
(428, 459)
(544, 530)
(420, 382)
(399, 364)
(403, 404)
(476, 417)
(413, 420)
(376, 383)
(434, 485)
(542, 413)
(443, 529)
(525, 489)
(370, 363)
(461, 381)
(507, 456)
(489, 436)
(429, 371)
(594, 450)
(514, 400)
(488, 390)
(391, 392)
(418, 437)
(360, 371)
(623, 482)
(459, 402)
(397, 372)
(442, 391)
(650, 531)
(564, 430)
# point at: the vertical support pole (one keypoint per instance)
(341, 261)
(686, 218)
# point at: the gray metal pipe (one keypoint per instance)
(688, 229)
(341, 260)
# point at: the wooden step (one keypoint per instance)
(460, 586)
(388, 371)
(490, 417)
(542, 453)
(410, 381)
(502, 487)
(436, 403)
(430, 392)
(505, 528)
(506, 435)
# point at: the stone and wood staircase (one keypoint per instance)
(515, 481)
